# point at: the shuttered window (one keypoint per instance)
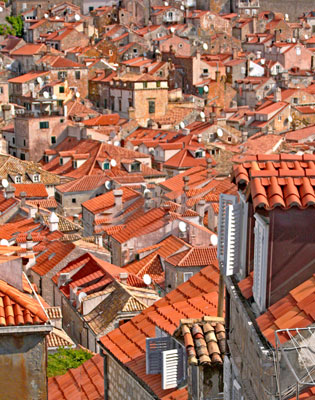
(225, 200)
(232, 239)
(169, 369)
(260, 261)
(154, 349)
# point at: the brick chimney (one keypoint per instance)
(123, 277)
(23, 196)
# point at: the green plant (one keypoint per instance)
(15, 28)
(64, 359)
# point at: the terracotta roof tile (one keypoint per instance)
(17, 308)
(127, 343)
(194, 257)
(283, 181)
(296, 310)
(31, 190)
(85, 382)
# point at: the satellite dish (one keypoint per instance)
(157, 51)
(147, 279)
(113, 163)
(146, 191)
(290, 119)
(108, 185)
(46, 16)
(4, 242)
(81, 296)
(205, 46)
(109, 142)
(206, 89)
(117, 143)
(182, 8)
(1, 9)
(166, 3)
(306, 37)
(182, 125)
(77, 17)
(39, 80)
(5, 183)
(172, 29)
(219, 132)
(46, 95)
(77, 94)
(57, 17)
(214, 240)
(202, 114)
(182, 226)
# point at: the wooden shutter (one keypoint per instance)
(225, 200)
(154, 349)
(227, 378)
(260, 261)
(169, 369)
(232, 241)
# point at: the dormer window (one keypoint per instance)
(199, 154)
(135, 167)
(36, 178)
(61, 161)
(106, 165)
(18, 179)
(74, 164)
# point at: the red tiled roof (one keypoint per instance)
(27, 77)
(83, 383)
(283, 180)
(6, 204)
(192, 299)
(194, 257)
(103, 120)
(86, 183)
(296, 310)
(31, 189)
(300, 134)
(17, 308)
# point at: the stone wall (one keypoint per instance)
(291, 7)
(121, 385)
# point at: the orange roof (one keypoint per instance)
(194, 257)
(27, 77)
(85, 382)
(296, 310)
(29, 49)
(83, 184)
(283, 180)
(192, 299)
(31, 189)
(107, 200)
(300, 134)
(18, 308)
(103, 120)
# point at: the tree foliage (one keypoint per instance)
(15, 26)
(64, 359)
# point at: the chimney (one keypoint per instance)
(200, 208)
(6, 111)
(29, 242)
(118, 194)
(244, 137)
(23, 196)
(53, 222)
(123, 277)
(234, 53)
(148, 200)
(277, 95)
(9, 192)
(255, 18)
(277, 36)
(209, 167)
(31, 212)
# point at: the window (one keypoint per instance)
(135, 167)
(279, 118)
(187, 276)
(91, 9)
(119, 104)
(36, 178)
(61, 89)
(60, 103)
(62, 121)
(145, 85)
(18, 179)
(295, 100)
(46, 158)
(24, 142)
(199, 154)
(62, 74)
(151, 106)
(260, 261)
(105, 103)
(158, 84)
(74, 164)
(180, 46)
(53, 140)
(130, 102)
(13, 140)
(135, 51)
(44, 125)
(110, 52)
(22, 156)
(205, 71)
(106, 165)
(298, 51)
(61, 161)
(74, 200)
(77, 75)
(1, 90)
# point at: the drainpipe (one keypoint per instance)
(105, 375)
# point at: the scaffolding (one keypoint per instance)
(297, 354)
